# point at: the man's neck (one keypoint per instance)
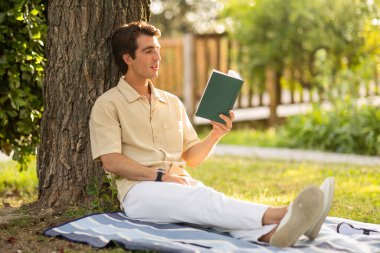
(140, 85)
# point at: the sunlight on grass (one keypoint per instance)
(17, 187)
(264, 181)
(249, 137)
(278, 182)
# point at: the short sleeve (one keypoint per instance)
(190, 137)
(105, 131)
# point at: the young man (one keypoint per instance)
(144, 139)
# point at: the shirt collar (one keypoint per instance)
(155, 93)
(132, 95)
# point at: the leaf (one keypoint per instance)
(11, 240)
(10, 13)
(36, 35)
(20, 102)
(34, 12)
(3, 59)
(14, 105)
(2, 17)
(12, 113)
(20, 16)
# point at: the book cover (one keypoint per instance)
(219, 95)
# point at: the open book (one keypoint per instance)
(219, 95)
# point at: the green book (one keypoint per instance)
(219, 95)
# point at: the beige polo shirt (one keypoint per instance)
(154, 134)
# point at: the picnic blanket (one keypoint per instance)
(106, 229)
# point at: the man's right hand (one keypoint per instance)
(167, 177)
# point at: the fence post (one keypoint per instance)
(272, 91)
(188, 73)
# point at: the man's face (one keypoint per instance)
(147, 57)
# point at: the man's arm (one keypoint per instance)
(125, 167)
(200, 151)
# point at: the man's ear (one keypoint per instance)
(127, 58)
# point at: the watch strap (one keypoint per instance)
(160, 173)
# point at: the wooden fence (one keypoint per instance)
(188, 61)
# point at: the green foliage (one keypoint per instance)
(312, 40)
(104, 195)
(17, 187)
(346, 128)
(175, 17)
(22, 61)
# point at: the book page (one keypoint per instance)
(235, 74)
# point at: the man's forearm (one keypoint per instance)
(125, 167)
(200, 151)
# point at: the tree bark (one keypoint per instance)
(79, 68)
(271, 79)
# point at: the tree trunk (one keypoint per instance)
(278, 75)
(271, 79)
(376, 79)
(79, 68)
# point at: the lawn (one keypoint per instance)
(17, 187)
(277, 183)
(266, 181)
(250, 137)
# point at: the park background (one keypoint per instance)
(312, 81)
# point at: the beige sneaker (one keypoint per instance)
(327, 188)
(304, 211)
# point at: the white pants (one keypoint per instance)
(201, 205)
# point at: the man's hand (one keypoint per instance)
(219, 129)
(177, 179)
(200, 151)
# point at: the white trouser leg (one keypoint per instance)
(201, 205)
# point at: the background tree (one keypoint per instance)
(177, 17)
(315, 41)
(79, 68)
(22, 59)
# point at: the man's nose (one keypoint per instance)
(157, 56)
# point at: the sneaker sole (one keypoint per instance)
(313, 232)
(304, 211)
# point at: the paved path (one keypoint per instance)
(295, 155)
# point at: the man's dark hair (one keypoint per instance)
(124, 41)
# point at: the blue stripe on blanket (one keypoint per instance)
(101, 230)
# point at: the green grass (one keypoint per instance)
(278, 182)
(265, 181)
(17, 187)
(250, 137)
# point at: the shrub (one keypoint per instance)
(346, 128)
(22, 61)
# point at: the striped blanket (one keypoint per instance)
(101, 230)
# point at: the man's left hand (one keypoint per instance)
(219, 129)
